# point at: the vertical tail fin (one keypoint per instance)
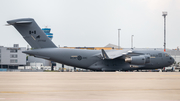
(32, 33)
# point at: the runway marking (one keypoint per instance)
(26, 92)
(12, 92)
(2, 98)
(170, 75)
(60, 99)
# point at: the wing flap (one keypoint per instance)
(113, 54)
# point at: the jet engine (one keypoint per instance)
(138, 60)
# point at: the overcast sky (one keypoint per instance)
(95, 23)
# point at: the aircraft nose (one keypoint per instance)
(172, 60)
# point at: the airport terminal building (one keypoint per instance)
(12, 57)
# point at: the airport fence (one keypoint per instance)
(9, 70)
(19, 70)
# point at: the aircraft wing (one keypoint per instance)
(114, 54)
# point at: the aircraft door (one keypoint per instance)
(160, 55)
(160, 61)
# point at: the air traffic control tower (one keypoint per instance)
(50, 36)
(47, 32)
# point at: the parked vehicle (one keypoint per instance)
(170, 69)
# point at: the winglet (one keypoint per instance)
(105, 56)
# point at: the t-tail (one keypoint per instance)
(32, 33)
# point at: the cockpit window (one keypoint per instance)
(167, 55)
(160, 54)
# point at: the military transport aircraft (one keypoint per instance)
(98, 60)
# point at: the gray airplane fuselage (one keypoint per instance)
(92, 59)
(100, 60)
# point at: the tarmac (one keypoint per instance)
(89, 86)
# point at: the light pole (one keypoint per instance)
(164, 14)
(132, 41)
(119, 39)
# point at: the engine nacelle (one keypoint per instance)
(138, 60)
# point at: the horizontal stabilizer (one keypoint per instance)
(23, 22)
(20, 21)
